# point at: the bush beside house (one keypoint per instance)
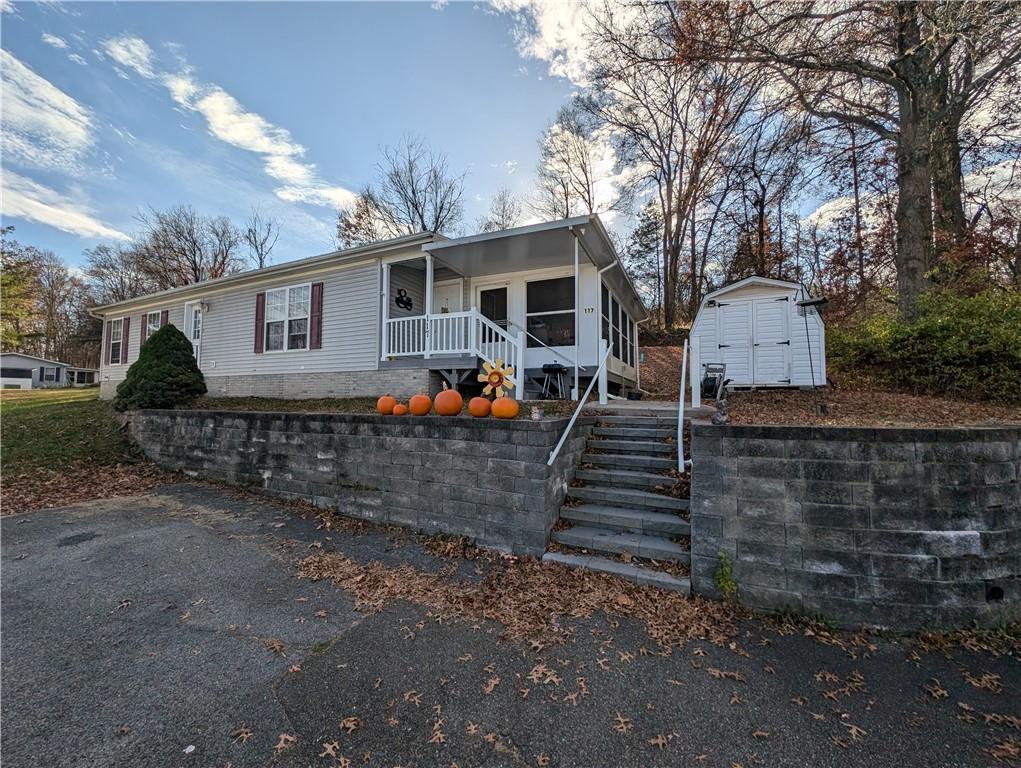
(164, 376)
(962, 346)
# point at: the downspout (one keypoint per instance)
(577, 319)
(603, 388)
(638, 355)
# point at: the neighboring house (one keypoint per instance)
(768, 333)
(398, 315)
(18, 371)
(82, 377)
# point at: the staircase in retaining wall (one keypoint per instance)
(620, 517)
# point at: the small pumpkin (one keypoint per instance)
(505, 408)
(448, 402)
(385, 405)
(420, 405)
(400, 410)
(479, 407)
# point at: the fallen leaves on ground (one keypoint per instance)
(622, 724)
(864, 408)
(286, 740)
(528, 598)
(49, 488)
(275, 645)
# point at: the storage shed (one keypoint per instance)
(764, 332)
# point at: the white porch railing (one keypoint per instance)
(453, 333)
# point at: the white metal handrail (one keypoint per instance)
(581, 404)
(681, 463)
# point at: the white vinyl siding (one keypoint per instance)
(350, 329)
(412, 282)
(175, 316)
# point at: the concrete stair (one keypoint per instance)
(616, 509)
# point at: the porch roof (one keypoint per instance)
(540, 246)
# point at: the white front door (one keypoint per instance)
(772, 346)
(193, 325)
(446, 297)
(733, 339)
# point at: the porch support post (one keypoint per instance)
(384, 341)
(603, 391)
(577, 318)
(519, 365)
(428, 303)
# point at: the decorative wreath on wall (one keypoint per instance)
(497, 378)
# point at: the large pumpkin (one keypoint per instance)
(479, 407)
(420, 405)
(385, 405)
(505, 408)
(448, 402)
(400, 410)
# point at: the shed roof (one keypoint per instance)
(33, 357)
(754, 280)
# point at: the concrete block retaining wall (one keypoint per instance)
(482, 478)
(895, 527)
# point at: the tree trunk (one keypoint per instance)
(947, 186)
(913, 215)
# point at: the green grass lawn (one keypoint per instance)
(53, 428)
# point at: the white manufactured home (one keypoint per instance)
(767, 332)
(401, 315)
(21, 371)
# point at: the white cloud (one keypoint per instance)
(550, 31)
(56, 42)
(131, 52)
(27, 199)
(229, 121)
(77, 59)
(42, 126)
(6, 6)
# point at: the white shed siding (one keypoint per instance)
(350, 329)
(738, 306)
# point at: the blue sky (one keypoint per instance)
(109, 108)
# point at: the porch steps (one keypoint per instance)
(619, 507)
(627, 520)
(636, 573)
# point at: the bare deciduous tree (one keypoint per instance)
(504, 212)
(261, 234)
(415, 192)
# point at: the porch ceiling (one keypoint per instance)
(538, 246)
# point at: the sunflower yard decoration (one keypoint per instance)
(496, 378)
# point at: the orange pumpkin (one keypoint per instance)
(505, 408)
(385, 405)
(400, 410)
(479, 407)
(420, 405)
(448, 402)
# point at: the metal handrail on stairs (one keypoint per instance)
(681, 463)
(581, 404)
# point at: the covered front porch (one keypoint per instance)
(541, 298)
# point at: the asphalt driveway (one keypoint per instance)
(171, 629)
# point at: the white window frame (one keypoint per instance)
(287, 318)
(572, 311)
(119, 322)
(148, 322)
(46, 373)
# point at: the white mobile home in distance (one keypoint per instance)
(761, 331)
(400, 315)
(20, 371)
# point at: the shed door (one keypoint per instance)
(772, 345)
(733, 338)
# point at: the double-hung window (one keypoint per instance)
(152, 323)
(549, 312)
(287, 318)
(49, 374)
(116, 340)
